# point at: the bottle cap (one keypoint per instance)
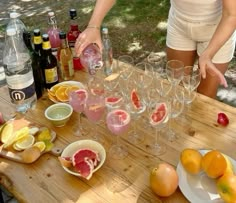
(36, 32)
(11, 31)
(51, 13)
(62, 35)
(105, 30)
(45, 37)
(14, 14)
(73, 13)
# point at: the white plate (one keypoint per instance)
(82, 144)
(75, 83)
(199, 188)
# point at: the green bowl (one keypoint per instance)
(58, 114)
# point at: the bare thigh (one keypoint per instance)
(187, 57)
(209, 86)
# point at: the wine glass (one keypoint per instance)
(96, 86)
(94, 110)
(111, 81)
(174, 71)
(158, 63)
(118, 122)
(159, 116)
(114, 99)
(136, 108)
(191, 80)
(77, 100)
(125, 64)
(176, 99)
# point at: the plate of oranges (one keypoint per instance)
(60, 92)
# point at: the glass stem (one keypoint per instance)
(117, 140)
(157, 136)
(95, 130)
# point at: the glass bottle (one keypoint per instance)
(65, 58)
(18, 71)
(72, 35)
(53, 33)
(107, 55)
(16, 23)
(48, 64)
(36, 63)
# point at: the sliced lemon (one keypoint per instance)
(25, 142)
(45, 134)
(41, 145)
(16, 148)
(7, 133)
(19, 134)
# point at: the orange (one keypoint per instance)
(226, 187)
(214, 164)
(191, 160)
(61, 94)
(164, 180)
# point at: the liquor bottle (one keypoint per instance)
(53, 33)
(18, 71)
(48, 64)
(16, 23)
(65, 58)
(72, 35)
(36, 63)
(107, 55)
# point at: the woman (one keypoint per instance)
(196, 28)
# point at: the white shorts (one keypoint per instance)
(188, 36)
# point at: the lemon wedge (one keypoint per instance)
(41, 145)
(25, 142)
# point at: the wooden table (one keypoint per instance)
(46, 181)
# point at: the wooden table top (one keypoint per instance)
(117, 180)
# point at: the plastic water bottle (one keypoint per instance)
(16, 23)
(18, 71)
(107, 55)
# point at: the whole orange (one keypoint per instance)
(214, 164)
(191, 160)
(164, 180)
(226, 187)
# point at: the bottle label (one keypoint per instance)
(51, 75)
(37, 39)
(19, 95)
(67, 70)
(46, 45)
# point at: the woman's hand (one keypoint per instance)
(206, 66)
(88, 36)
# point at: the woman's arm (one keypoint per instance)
(92, 33)
(224, 30)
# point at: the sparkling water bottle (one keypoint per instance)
(18, 71)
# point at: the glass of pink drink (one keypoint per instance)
(77, 101)
(94, 110)
(118, 123)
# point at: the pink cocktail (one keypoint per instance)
(77, 100)
(118, 123)
(94, 110)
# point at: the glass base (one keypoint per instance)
(135, 138)
(118, 152)
(80, 132)
(156, 149)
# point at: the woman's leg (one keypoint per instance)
(187, 57)
(209, 86)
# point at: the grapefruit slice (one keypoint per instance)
(113, 100)
(83, 154)
(135, 99)
(65, 161)
(123, 115)
(159, 114)
(82, 94)
(85, 168)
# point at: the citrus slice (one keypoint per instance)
(71, 89)
(41, 145)
(123, 115)
(44, 135)
(135, 99)
(61, 95)
(25, 142)
(7, 132)
(82, 93)
(159, 114)
(113, 100)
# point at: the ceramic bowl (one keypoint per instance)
(84, 144)
(59, 114)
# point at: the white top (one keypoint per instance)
(197, 10)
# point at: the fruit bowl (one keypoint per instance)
(77, 146)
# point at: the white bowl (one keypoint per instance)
(59, 114)
(82, 144)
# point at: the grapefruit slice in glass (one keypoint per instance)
(135, 99)
(159, 114)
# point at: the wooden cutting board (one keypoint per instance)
(30, 154)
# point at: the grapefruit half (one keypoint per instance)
(135, 99)
(159, 114)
